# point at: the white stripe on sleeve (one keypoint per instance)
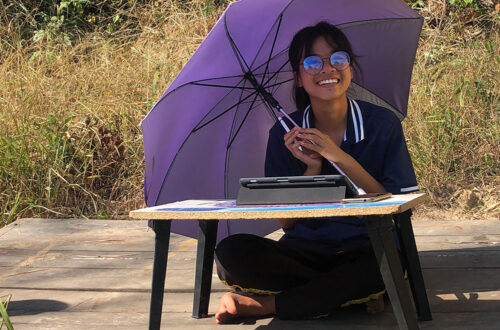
(408, 189)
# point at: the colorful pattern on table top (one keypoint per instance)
(230, 206)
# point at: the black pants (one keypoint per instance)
(308, 280)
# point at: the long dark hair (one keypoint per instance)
(302, 43)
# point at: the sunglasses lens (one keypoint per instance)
(313, 64)
(340, 60)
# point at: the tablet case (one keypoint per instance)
(294, 190)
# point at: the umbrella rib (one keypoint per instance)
(221, 86)
(272, 58)
(274, 87)
(235, 49)
(275, 73)
(279, 83)
(262, 44)
(224, 112)
(190, 83)
(272, 48)
(199, 82)
(243, 121)
(217, 78)
(226, 163)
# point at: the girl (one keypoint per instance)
(319, 264)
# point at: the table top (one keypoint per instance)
(227, 209)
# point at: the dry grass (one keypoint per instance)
(70, 141)
(70, 144)
(453, 122)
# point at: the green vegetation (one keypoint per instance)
(3, 312)
(77, 76)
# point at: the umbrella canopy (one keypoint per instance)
(211, 125)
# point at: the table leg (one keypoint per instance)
(162, 238)
(380, 231)
(409, 249)
(207, 237)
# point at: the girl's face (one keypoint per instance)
(329, 84)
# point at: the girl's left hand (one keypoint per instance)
(313, 139)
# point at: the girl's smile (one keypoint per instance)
(328, 82)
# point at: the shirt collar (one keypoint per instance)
(355, 130)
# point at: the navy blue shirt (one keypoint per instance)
(374, 138)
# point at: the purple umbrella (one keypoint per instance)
(211, 125)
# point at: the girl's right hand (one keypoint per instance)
(310, 158)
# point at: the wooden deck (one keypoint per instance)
(94, 274)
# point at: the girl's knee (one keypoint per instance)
(235, 244)
(230, 252)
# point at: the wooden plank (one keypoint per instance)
(65, 308)
(133, 321)
(81, 320)
(492, 239)
(43, 301)
(451, 228)
(438, 243)
(468, 258)
(465, 302)
(91, 259)
(178, 280)
(58, 236)
(39, 234)
(190, 210)
(61, 226)
(104, 311)
(451, 280)
(463, 321)
(59, 254)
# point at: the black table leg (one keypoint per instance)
(162, 238)
(207, 237)
(380, 231)
(409, 249)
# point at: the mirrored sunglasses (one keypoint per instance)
(339, 60)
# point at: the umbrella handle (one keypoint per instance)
(285, 126)
(282, 122)
(287, 117)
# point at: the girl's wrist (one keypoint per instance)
(340, 157)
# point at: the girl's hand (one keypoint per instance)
(323, 145)
(309, 157)
(320, 143)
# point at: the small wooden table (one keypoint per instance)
(381, 217)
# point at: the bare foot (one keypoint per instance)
(233, 305)
(375, 305)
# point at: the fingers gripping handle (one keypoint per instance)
(287, 129)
